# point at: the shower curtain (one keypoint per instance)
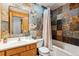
(47, 37)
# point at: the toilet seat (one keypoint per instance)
(43, 51)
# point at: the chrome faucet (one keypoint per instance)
(18, 39)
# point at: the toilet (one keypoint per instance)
(43, 51)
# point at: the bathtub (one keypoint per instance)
(64, 49)
(57, 51)
(61, 48)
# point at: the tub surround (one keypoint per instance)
(65, 21)
(16, 46)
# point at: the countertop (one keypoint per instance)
(5, 46)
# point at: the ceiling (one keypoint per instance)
(52, 6)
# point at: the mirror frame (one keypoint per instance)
(13, 11)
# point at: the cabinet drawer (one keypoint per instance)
(15, 51)
(2, 53)
(32, 46)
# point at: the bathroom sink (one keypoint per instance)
(26, 39)
(12, 40)
(18, 40)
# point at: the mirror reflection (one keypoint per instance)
(17, 24)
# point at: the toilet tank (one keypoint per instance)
(40, 43)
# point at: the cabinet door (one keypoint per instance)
(15, 51)
(26, 53)
(32, 46)
(32, 52)
(2, 53)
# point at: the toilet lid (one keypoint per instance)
(43, 49)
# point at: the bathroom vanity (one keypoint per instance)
(26, 50)
(19, 48)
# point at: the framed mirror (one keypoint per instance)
(18, 21)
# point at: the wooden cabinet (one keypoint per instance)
(2, 53)
(15, 50)
(26, 53)
(27, 50)
(32, 52)
(16, 54)
(27, 47)
(32, 46)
